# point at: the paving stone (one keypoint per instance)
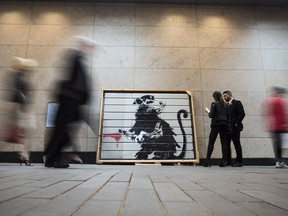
(99, 208)
(15, 192)
(112, 191)
(169, 192)
(263, 209)
(184, 209)
(126, 190)
(121, 177)
(18, 205)
(272, 198)
(52, 191)
(216, 205)
(142, 203)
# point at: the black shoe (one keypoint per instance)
(223, 164)
(61, 164)
(207, 164)
(237, 164)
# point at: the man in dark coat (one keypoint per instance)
(236, 114)
(73, 92)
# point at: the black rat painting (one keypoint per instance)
(154, 134)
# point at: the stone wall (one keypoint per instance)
(151, 46)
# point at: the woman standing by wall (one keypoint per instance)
(219, 125)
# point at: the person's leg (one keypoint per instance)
(223, 139)
(237, 144)
(229, 154)
(212, 138)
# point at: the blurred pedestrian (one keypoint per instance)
(219, 122)
(276, 116)
(19, 122)
(236, 115)
(73, 92)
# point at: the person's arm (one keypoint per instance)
(212, 112)
(241, 113)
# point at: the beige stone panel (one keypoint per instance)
(197, 101)
(228, 38)
(272, 18)
(275, 59)
(7, 52)
(201, 147)
(5, 104)
(252, 102)
(114, 35)
(49, 56)
(199, 125)
(253, 127)
(234, 80)
(47, 78)
(14, 34)
(257, 148)
(63, 14)
(276, 78)
(229, 17)
(147, 57)
(114, 15)
(166, 16)
(6, 75)
(36, 145)
(37, 125)
(230, 58)
(93, 129)
(166, 36)
(15, 14)
(273, 39)
(114, 57)
(78, 129)
(92, 145)
(57, 34)
(79, 144)
(112, 78)
(172, 79)
(6, 147)
(95, 100)
(40, 101)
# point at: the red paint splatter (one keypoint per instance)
(116, 136)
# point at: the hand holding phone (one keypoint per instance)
(207, 110)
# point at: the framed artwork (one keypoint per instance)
(147, 127)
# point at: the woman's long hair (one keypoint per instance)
(218, 97)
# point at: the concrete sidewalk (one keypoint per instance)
(142, 190)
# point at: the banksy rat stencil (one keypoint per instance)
(147, 125)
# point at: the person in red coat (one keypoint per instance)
(276, 116)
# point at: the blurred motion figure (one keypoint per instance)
(19, 123)
(276, 118)
(73, 92)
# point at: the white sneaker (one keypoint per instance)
(281, 165)
(284, 165)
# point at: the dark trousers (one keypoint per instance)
(68, 113)
(215, 130)
(277, 144)
(235, 137)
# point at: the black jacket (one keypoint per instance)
(218, 114)
(236, 114)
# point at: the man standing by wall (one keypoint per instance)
(236, 114)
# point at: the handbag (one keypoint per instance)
(14, 134)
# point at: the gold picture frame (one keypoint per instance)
(145, 126)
